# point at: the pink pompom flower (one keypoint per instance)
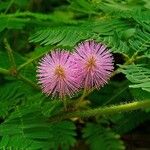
(94, 63)
(57, 74)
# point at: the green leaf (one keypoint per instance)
(115, 43)
(126, 122)
(3, 5)
(12, 23)
(4, 59)
(145, 86)
(29, 125)
(146, 54)
(52, 108)
(64, 36)
(113, 93)
(140, 41)
(138, 75)
(82, 6)
(99, 137)
(10, 96)
(105, 32)
(140, 94)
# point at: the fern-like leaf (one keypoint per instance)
(29, 125)
(12, 23)
(139, 75)
(71, 35)
(10, 95)
(117, 47)
(64, 36)
(124, 123)
(99, 137)
(82, 6)
(140, 41)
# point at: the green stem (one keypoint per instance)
(85, 91)
(140, 57)
(8, 7)
(26, 80)
(83, 95)
(10, 54)
(105, 110)
(25, 64)
(30, 14)
(129, 61)
(29, 61)
(4, 71)
(132, 59)
(20, 77)
(65, 104)
(115, 95)
(13, 71)
(115, 72)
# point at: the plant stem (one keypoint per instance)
(4, 71)
(31, 14)
(65, 103)
(24, 64)
(83, 95)
(105, 110)
(9, 5)
(29, 61)
(10, 54)
(20, 77)
(26, 80)
(13, 70)
(85, 91)
(115, 95)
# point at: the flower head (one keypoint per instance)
(57, 74)
(94, 63)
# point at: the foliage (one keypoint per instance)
(139, 75)
(28, 125)
(29, 120)
(98, 136)
(123, 123)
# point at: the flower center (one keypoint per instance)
(59, 71)
(91, 63)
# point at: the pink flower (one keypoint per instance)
(57, 74)
(94, 63)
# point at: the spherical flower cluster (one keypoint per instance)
(94, 63)
(61, 73)
(57, 74)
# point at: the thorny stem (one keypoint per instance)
(104, 110)
(91, 112)
(111, 109)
